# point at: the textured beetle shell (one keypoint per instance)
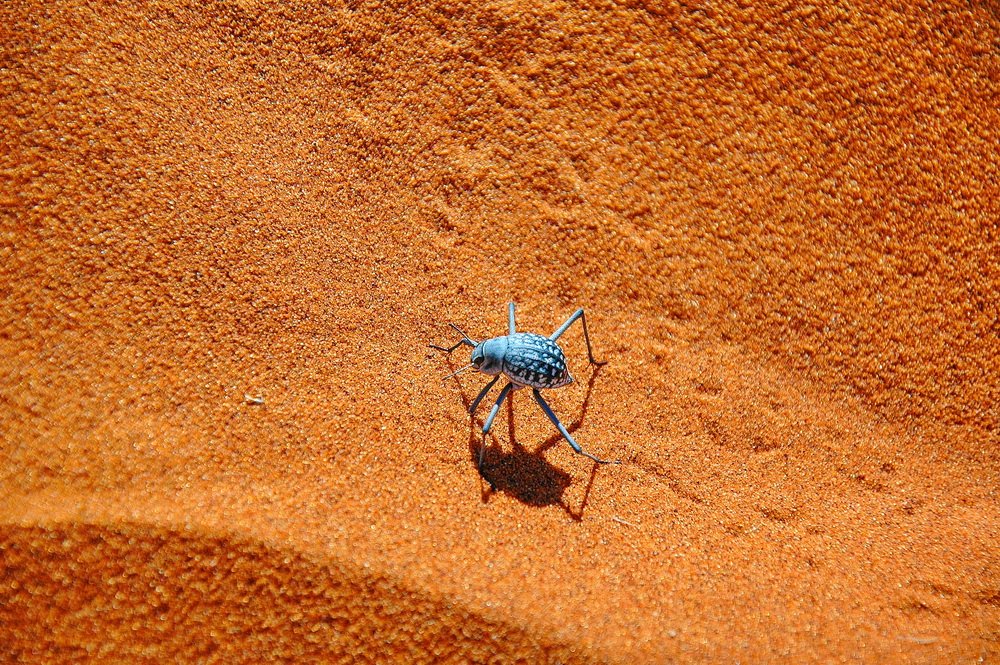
(536, 361)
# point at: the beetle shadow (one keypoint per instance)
(523, 474)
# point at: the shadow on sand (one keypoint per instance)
(523, 474)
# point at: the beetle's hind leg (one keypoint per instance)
(578, 314)
(562, 430)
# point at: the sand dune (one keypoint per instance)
(138, 592)
(230, 232)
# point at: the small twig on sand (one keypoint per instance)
(253, 400)
(621, 521)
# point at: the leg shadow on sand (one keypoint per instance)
(527, 475)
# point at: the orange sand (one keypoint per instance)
(782, 222)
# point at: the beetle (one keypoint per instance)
(527, 360)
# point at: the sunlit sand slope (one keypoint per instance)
(229, 231)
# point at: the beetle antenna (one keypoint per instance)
(465, 338)
(457, 372)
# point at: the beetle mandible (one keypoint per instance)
(528, 361)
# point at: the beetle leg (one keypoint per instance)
(562, 430)
(510, 319)
(578, 314)
(490, 418)
(482, 394)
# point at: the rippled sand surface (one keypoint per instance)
(229, 231)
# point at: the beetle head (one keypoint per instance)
(487, 356)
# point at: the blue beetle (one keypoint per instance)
(527, 360)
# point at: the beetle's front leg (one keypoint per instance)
(482, 394)
(490, 418)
